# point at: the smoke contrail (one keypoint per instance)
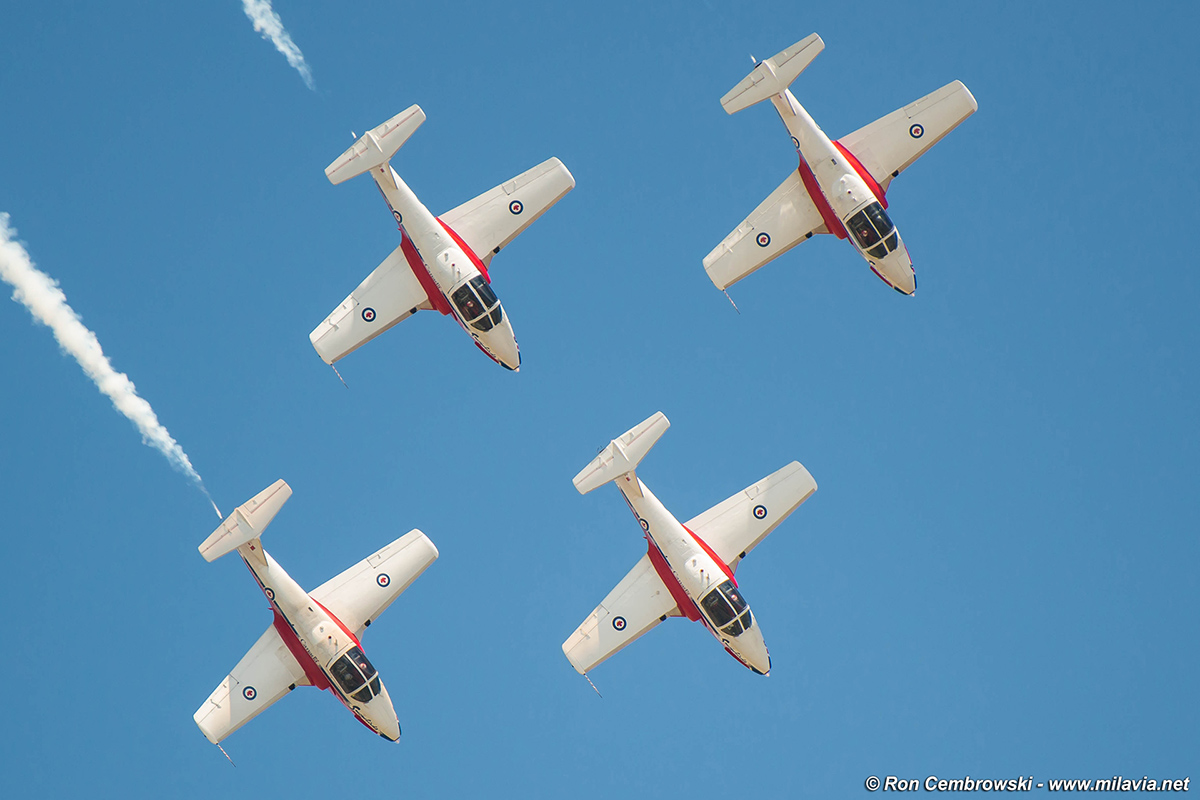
(41, 294)
(268, 23)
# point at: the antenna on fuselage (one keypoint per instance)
(585, 677)
(353, 135)
(222, 749)
(343, 380)
(730, 299)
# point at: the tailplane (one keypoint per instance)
(375, 147)
(622, 454)
(773, 76)
(247, 522)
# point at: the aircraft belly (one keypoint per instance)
(683, 601)
(833, 183)
(289, 605)
(417, 221)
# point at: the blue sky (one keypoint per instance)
(996, 577)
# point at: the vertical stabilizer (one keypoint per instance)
(622, 454)
(375, 147)
(247, 522)
(773, 76)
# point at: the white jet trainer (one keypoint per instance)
(688, 569)
(314, 638)
(840, 185)
(442, 262)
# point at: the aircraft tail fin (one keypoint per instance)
(622, 454)
(773, 76)
(247, 522)
(376, 147)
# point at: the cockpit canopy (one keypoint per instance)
(355, 675)
(726, 609)
(871, 226)
(478, 304)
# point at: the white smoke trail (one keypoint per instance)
(268, 23)
(41, 295)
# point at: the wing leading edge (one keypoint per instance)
(490, 221)
(785, 219)
(360, 594)
(890, 144)
(638, 603)
(266, 673)
(389, 295)
(733, 527)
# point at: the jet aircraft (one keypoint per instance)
(442, 262)
(840, 185)
(688, 569)
(314, 639)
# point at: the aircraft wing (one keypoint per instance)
(266, 673)
(494, 218)
(890, 144)
(388, 295)
(786, 218)
(639, 602)
(360, 594)
(733, 527)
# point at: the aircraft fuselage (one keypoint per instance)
(454, 278)
(319, 641)
(843, 193)
(691, 567)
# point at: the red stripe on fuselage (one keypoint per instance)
(832, 223)
(338, 622)
(315, 675)
(353, 638)
(870, 181)
(312, 672)
(436, 298)
(466, 249)
(739, 658)
(682, 599)
(724, 567)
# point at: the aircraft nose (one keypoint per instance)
(390, 729)
(755, 652)
(383, 715)
(902, 274)
(504, 346)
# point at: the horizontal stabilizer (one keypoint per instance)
(773, 76)
(247, 522)
(376, 146)
(622, 454)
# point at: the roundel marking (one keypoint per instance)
(368, 314)
(916, 131)
(383, 579)
(760, 512)
(269, 592)
(396, 214)
(516, 207)
(645, 525)
(249, 693)
(796, 142)
(763, 239)
(618, 623)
